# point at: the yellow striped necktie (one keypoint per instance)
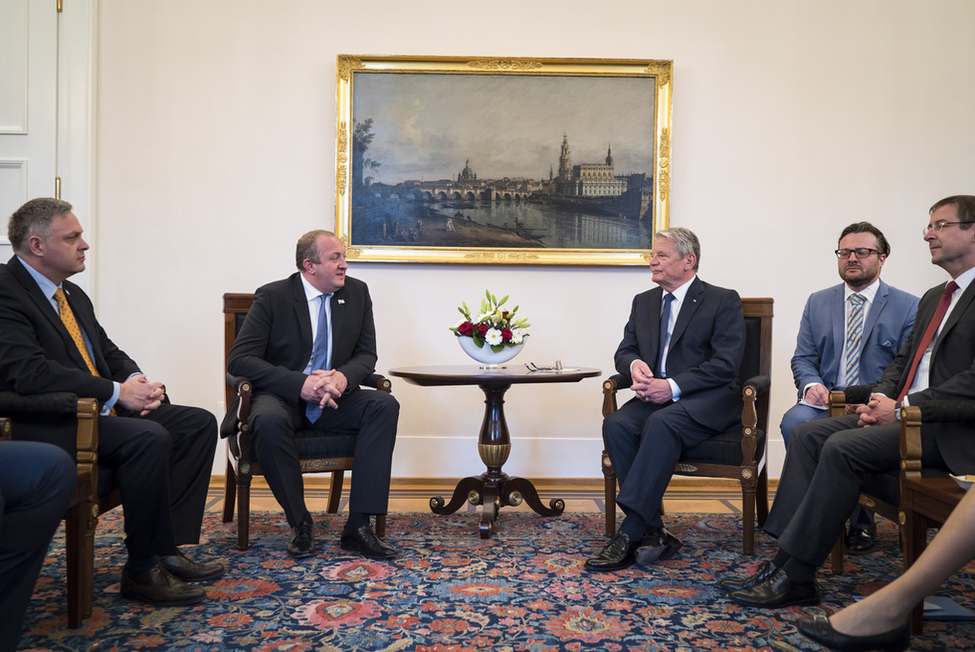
(67, 318)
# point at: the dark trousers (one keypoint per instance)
(161, 463)
(820, 482)
(644, 442)
(371, 416)
(37, 482)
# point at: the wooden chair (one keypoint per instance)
(739, 453)
(65, 420)
(881, 491)
(319, 452)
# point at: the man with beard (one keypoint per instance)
(848, 335)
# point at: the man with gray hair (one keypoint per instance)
(160, 455)
(681, 348)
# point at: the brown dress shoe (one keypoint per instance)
(184, 568)
(160, 588)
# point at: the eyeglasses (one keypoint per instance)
(939, 225)
(861, 253)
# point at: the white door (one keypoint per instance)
(28, 103)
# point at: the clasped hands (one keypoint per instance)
(877, 411)
(323, 387)
(647, 388)
(137, 394)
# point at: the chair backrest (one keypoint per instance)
(757, 359)
(235, 308)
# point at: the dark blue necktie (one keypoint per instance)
(664, 335)
(319, 355)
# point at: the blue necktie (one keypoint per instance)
(664, 335)
(854, 334)
(319, 354)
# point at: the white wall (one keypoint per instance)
(215, 149)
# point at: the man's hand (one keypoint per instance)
(656, 391)
(817, 395)
(877, 411)
(137, 394)
(640, 372)
(323, 387)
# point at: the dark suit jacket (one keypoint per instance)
(705, 352)
(952, 372)
(36, 352)
(274, 343)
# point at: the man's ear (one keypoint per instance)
(35, 245)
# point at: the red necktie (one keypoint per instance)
(939, 315)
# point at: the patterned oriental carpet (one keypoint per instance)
(522, 590)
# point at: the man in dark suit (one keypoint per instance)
(307, 343)
(682, 347)
(159, 454)
(37, 481)
(848, 335)
(827, 458)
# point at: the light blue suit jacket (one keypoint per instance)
(819, 345)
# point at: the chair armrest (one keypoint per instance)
(911, 418)
(4, 428)
(760, 384)
(610, 387)
(854, 394)
(380, 382)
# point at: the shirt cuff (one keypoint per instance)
(674, 389)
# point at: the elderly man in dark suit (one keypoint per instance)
(160, 454)
(307, 343)
(827, 458)
(682, 347)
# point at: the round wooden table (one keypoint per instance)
(492, 489)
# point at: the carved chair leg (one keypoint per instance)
(609, 482)
(335, 492)
(836, 557)
(380, 525)
(229, 493)
(762, 497)
(748, 520)
(80, 556)
(243, 510)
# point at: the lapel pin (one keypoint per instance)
(341, 301)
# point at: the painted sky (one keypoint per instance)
(428, 125)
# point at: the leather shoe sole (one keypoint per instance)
(159, 588)
(184, 568)
(819, 629)
(659, 546)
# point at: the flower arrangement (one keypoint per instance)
(492, 325)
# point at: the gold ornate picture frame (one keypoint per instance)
(509, 161)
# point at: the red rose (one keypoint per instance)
(466, 329)
(506, 334)
(482, 329)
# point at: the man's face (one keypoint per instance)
(328, 275)
(952, 247)
(668, 269)
(61, 253)
(860, 272)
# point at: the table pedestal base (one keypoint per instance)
(494, 491)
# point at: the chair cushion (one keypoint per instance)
(314, 444)
(723, 449)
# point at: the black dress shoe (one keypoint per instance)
(762, 573)
(819, 629)
(657, 544)
(619, 553)
(184, 568)
(778, 591)
(364, 541)
(859, 541)
(160, 588)
(302, 542)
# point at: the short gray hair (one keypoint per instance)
(685, 242)
(34, 218)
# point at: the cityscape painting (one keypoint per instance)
(515, 161)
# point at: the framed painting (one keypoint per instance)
(509, 161)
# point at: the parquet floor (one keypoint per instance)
(413, 495)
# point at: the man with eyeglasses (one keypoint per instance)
(827, 458)
(848, 335)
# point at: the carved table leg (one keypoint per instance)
(516, 489)
(467, 490)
